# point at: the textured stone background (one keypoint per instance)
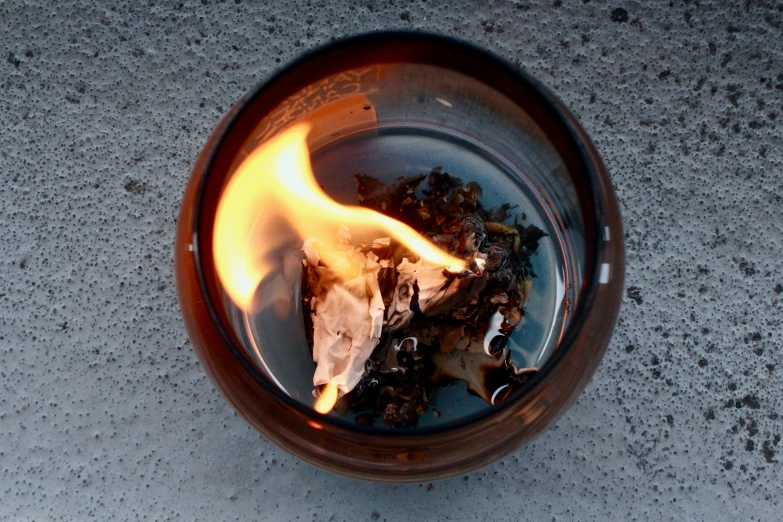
(104, 411)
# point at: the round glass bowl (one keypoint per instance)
(399, 104)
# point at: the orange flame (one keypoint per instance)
(326, 400)
(276, 181)
(278, 174)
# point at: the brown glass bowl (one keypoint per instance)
(486, 98)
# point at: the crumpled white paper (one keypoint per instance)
(436, 291)
(347, 315)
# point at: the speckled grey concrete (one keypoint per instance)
(104, 411)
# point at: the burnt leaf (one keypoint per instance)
(497, 215)
(371, 192)
(529, 237)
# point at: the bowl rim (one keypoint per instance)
(551, 105)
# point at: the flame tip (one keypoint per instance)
(327, 399)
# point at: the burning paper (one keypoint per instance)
(347, 307)
(347, 312)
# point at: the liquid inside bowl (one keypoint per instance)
(278, 344)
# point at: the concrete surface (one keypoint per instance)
(104, 411)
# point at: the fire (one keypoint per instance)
(276, 182)
(328, 397)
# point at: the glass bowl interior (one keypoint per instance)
(390, 120)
